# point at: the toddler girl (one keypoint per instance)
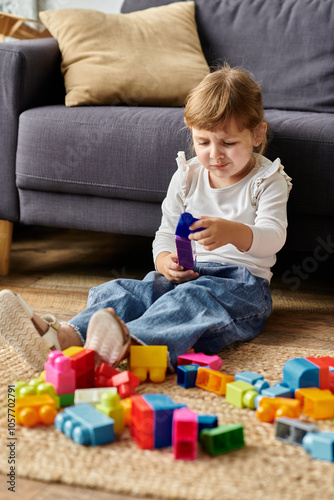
(240, 198)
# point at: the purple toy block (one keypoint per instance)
(59, 373)
(185, 434)
(198, 358)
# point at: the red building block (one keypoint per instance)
(323, 363)
(103, 374)
(142, 423)
(83, 363)
(125, 382)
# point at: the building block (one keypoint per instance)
(70, 351)
(125, 382)
(206, 422)
(292, 430)
(33, 410)
(299, 373)
(103, 374)
(280, 390)
(83, 363)
(249, 377)
(316, 403)
(91, 395)
(184, 434)
(36, 387)
(66, 399)
(260, 385)
(222, 439)
(149, 361)
(235, 392)
(142, 423)
(324, 363)
(320, 445)
(163, 407)
(59, 373)
(213, 380)
(271, 408)
(186, 375)
(249, 399)
(85, 425)
(110, 405)
(198, 358)
(126, 403)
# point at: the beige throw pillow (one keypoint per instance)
(150, 57)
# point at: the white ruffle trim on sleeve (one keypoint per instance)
(184, 170)
(267, 171)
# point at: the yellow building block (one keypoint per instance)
(70, 351)
(149, 360)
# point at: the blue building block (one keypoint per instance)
(86, 425)
(207, 422)
(163, 407)
(293, 430)
(277, 391)
(299, 372)
(249, 377)
(186, 375)
(260, 385)
(320, 445)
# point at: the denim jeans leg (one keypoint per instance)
(225, 304)
(130, 298)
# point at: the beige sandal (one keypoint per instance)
(107, 337)
(19, 330)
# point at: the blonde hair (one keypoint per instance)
(222, 95)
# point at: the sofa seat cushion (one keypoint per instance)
(305, 144)
(114, 152)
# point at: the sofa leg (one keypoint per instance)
(6, 232)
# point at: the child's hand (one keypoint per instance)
(219, 232)
(167, 265)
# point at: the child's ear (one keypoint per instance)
(260, 133)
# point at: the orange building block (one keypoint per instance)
(33, 410)
(316, 403)
(213, 380)
(271, 408)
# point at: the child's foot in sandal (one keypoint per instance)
(108, 336)
(33, 337)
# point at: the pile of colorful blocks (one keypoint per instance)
(307, 387)
(99, 403)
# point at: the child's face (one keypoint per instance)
(227, 154)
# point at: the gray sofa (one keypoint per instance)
(107, 168)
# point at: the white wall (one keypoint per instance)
(109, 6)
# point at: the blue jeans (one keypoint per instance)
(225, 304)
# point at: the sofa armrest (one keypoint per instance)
(29, 76)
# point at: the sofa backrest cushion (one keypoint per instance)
(152, 57)
(288, 45)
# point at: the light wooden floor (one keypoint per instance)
(54, 269)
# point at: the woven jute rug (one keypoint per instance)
(265, 468)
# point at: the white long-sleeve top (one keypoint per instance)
(258, 200)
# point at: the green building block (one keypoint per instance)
(66, 399)
(222, 439)
(235, 392)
